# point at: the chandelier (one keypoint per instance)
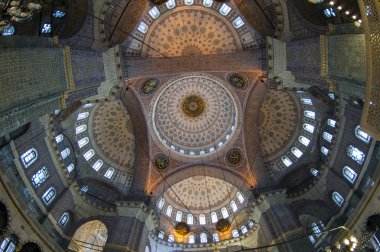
(16, 11)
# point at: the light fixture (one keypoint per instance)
(340, 7)
(346, 241)
(331, 3)
(354, 17)
(347, 12)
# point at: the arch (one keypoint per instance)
(91, 236)
(30, 247)
(185, 172)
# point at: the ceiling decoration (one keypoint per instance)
(194, 115)
(278, 122)
(237, 81)
(200, 193)
(149, 86)
(161, 161)
(182, 228)
(234, 156)
(113, 134)
(187, 32)
(223, 225)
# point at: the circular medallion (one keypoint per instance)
(234, 156)
(182, 228)
(237, 81)
(223, 225)
(194, 115)
(149, 86)
(161, 162)
(193, 106)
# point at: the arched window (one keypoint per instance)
(308, 127)
(337, 198)
(233, 206)
(203, 237)
(297, 152)
(80, 129)
(324, 150)
(84, 189)
(331, 123)
(286, 161)
(29, 157)
(202, 219)
(70, 168)
(89, 154)
(109, 172)
(171, 238)
(46, 28)
(235, 233)
(88, 105)
(309, 114)
(147, 249)
(65, 153)
(327, 136)
(59, 138)
(314, 172)
(191, 239)
(8, 245)
(154, 12)
(83, 142)
(190, 219)
(355, 154)
(49, 195)
(83, 115)
(306, 101)
(98, 164)
(214, 217)
(59, 14)
(161, 203)
(170, 4)
(316, 229)
(65, 217)
(240, 197)
(304, 140)
(331, 95)
(40, 176)
(169, 210)
(215, 237)
(161, 235)
(189, 2)
(207, 3)
(238, 22)
(8, 31)
(349, 174)
(311, 238)
(143, 27)
(362, 135)
(251, 223)
(244, 229)
(225, 9)
(225, 213)
(178, 216)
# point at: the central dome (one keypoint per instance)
(194, 115)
